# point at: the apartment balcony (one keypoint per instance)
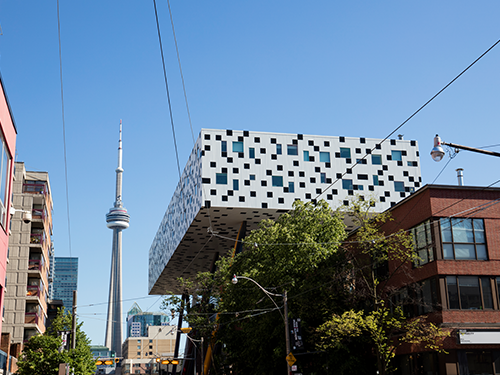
(37, 238)
(35, 265)
(34, 188)
(38, 213)
(33, 291)
(31, 318)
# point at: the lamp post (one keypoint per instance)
(234, 280)
(437, 152)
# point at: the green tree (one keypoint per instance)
(41, 355)
(376, 258)
(296, 253)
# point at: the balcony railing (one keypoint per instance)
(34, 188)
(33, 291)
(38, 213)
(31, 318)
(37, 238)
(35, 265)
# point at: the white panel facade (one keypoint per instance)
(267, 172)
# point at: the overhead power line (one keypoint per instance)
(358, 161)
(63, 126)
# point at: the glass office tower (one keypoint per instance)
(64, 274)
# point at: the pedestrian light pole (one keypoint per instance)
(285, 316)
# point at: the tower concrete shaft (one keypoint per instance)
(117, 219)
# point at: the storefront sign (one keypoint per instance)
(479, 337)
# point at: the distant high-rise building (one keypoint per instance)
(117, 219)
(140, 354)
(64, 275)
(139, 321)
(30, 247)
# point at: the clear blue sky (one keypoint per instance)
(318, 67)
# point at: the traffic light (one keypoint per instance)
(117, 360)
(169, 361)
(104, 361)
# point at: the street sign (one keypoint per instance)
(290, 359)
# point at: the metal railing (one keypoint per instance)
(35, 265)
(35, 188)
(31, 318)
(33, 291)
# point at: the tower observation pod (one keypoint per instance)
(117, 219)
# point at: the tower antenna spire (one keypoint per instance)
(117, 219)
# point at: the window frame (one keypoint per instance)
(451, 223)
(345, 152)
(292, 150)
(459, 295)
(426, 250)
(219, 176)
(378, 157)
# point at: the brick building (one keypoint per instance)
(457, 236)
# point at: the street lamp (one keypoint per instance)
(234, 280)
(437, 152)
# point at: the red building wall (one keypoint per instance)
(434, 201)
(9, 133)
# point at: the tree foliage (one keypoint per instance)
(296, 253)
(41, 354)
(340, 289)
(376, 258)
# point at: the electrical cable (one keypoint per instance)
(185, 94)
(180, 70)
(358, 161)
(167, 91)
(63, 126)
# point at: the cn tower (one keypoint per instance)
(117, 219)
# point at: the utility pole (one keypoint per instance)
(287, 332)
(178, 337)
(202, 358)
(73, 322)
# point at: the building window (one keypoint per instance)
(306, 155)
(376, 159)
(463, 238)
(323, 178)
(278, 149)
(237, 146)
(347, 184)
(291, 187)
(252, 177)
(482, 361)
(375, 180)
(236, 185)
(277, 180)
(399, 186)
(293, 150)
(4, 181)
(345, 152)
(221, 178)
(251, 152)
(223, 146)
(324, 157)
(396, 155)
(422, 243)
(469, 292)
